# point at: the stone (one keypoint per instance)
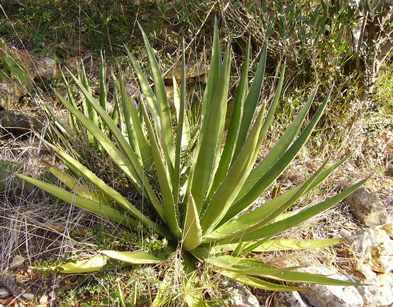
(35, 65)
(388, 228)
(28, 296)
(44, 299)
(362, 244)
(382, 253)
(19, 123)
(4, 293)
(25, 69)
(386, 289)
(367, 208)
(344, 233)
(371, 292)
(17, 262)
(242, 297)
(289, 299)
(331, 296)
(195, 72)
(10, 94)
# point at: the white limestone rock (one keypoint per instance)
(382, 253)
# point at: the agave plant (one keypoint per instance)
(207, 176)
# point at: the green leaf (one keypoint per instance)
(210, 137)
(256, 282)
(186, 134)
(127, 127)
(180, 126)
(164, 110)
(112, 193)
(299, 193)
(139, 257)
(121, 296)
(192, 234)
(93, 264)
(256, 216)
(134, 174)
(214, 74)
(234, 126)
(132, 169)
(246, 266)
(312, 279)
(192, 294)
(230, 187)
(76, 186)
(148, 93)
(273, 107)
(134, 126)
(87, 107)
(103, 89)
(279, 149)
(304, 215)
(251, 102)
(267, 179)
(253, 267)
(169, 206)
(282, 245)
(85, 203)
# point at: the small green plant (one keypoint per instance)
(10, 68)
(204, 179)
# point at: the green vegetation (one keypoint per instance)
(203, 179)
(181, 178)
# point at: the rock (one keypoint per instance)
(35, 65)
(19, 123)
(10, 94)
(195, 72)
(331, 296)
(4, 293)
(17, 262)
(362, 244)
(22, 69)
(371, 292)
(289, 299)
(367, 208)
(382, 253)
(344, 233)
(388, 228)
(242, 297)
(386, 289)
(44, 300)
(28, 296)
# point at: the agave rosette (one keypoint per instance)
(205, 181)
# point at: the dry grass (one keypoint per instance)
(42, 229)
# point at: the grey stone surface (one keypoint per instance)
(362, 244)
(331, 296)
(242, 297)
(289, 299)
(18, 123)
